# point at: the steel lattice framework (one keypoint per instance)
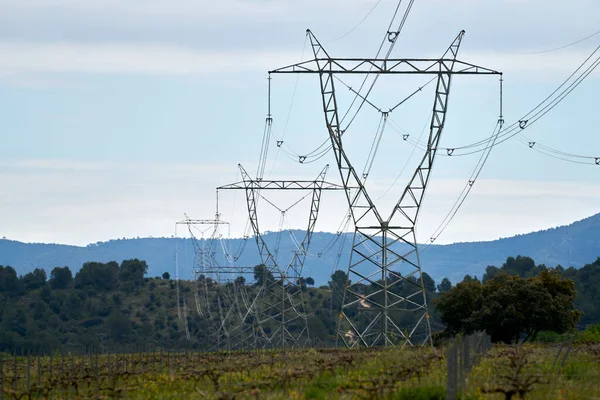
(219, 297)
(280, 312)
(385, 301)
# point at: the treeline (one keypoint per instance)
(108, 306)
(586, 280)
(111, 305)
(522, 301)
(103, 304)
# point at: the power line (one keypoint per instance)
(526, 119)
(289, 113)
(357, 25)
(558, 157)
(561, 47)
(319, 152)
(467, 189)
(392, 37)
(517, 127)
(539, 111)
(407, 160)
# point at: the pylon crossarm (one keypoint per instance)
(202, 222)
(236, 271)
(282, 185)
(364, 66)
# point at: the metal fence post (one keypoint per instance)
(28, 373)
(15, 375)
(451, 364)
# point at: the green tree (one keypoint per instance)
(520, 266)
(34, 280)
(15, 321)
(98, 276)
(262, 275)
(301, 283)
(61, 278)
(490, 273)
(337, 285)
(428, 282)
(9, 282)
(458, 306)
(166, 275)
(339, 280)
(239, 281)
(508, 303)
(133, 271)
(511, 307)
(119, 326)
(73, 306)
(444, 286)
(587, 284)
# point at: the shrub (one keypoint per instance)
(590, 335)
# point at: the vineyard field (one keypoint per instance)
(539, 372)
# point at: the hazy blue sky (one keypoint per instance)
(119, 116)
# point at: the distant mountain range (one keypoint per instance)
(572, 245)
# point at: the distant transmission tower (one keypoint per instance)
(220, 296)
(385, 301)
(280, 309)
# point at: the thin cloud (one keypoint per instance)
(49, 164)
(167, 60)
(539, 64)
(147, 7)
(498, 188)
(80, 202)
(132, 59)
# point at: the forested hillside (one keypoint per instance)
(112, 305)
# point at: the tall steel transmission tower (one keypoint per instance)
(280, 311)
(385, 300)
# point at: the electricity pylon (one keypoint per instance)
(280, 310)
(385, 301)
(220, 298)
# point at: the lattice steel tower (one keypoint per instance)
(279, 309)
(385, 301)
(220, 298)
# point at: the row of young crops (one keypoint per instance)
(333, 373)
